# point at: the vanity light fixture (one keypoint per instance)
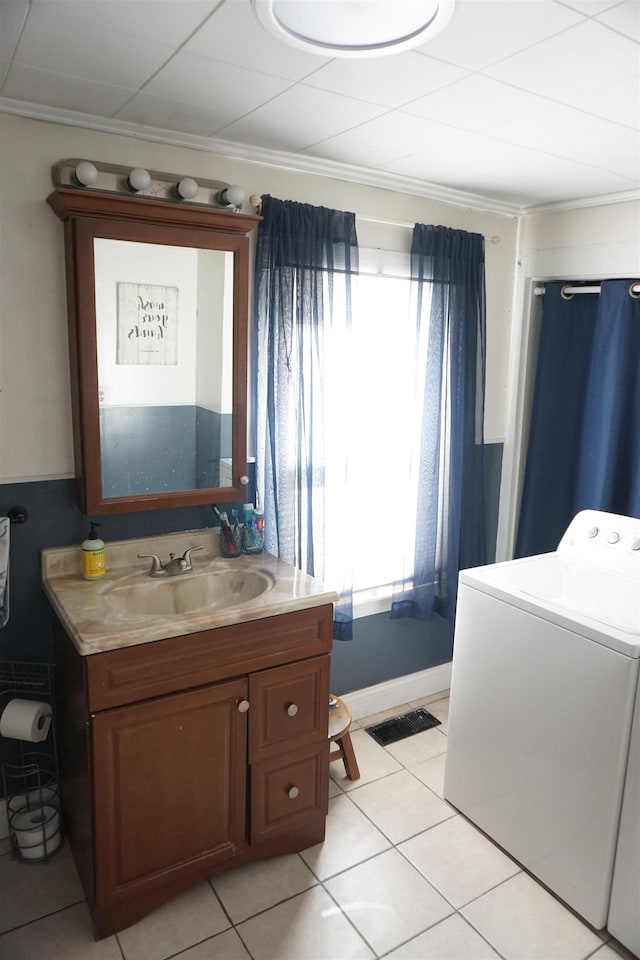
(230, 197)
(187, 188)
(85, 173)
(139, 179)
(354, 28)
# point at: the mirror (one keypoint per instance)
(158, 303)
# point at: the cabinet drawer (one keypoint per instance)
(288, 789)
(136, 673)
(289, 707)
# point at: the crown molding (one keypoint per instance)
(301, 163)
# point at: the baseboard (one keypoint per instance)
(392, 693)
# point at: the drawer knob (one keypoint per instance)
(292, 709)
(243, 706)
(293, 792)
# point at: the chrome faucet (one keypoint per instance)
(171, 567)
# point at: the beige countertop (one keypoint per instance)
(96, 622)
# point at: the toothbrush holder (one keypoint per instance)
(252, 539)
(231, 541)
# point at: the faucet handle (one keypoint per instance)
(156, 563)
(186, 556)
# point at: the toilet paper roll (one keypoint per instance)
(37, 831)
(25, 720)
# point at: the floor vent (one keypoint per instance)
(404, 725)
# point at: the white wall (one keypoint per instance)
(588, 243)
(35, 409)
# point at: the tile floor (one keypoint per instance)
(400, 875)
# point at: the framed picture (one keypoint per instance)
(147, 324)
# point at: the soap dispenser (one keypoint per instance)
(93, 559)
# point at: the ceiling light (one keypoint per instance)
(354, 28)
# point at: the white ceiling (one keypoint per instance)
(520, 102)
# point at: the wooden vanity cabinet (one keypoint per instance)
(186, 756)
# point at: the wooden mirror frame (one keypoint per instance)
(89, 214)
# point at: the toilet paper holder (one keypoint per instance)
(30, 774)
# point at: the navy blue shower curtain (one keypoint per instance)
(584, 441)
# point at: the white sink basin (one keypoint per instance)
(189, 593)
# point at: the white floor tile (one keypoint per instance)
(388, 900)
(431, 698)
(458, 860)
(225, 946)
(32, 890)
(66, 935)
(257, 886)
(419, 747)
(401, 806)
(453, 939)
(431, 772)
(309, 927)
(182, 922)
(385, 715)
(524, 922)
(373, 761)
(440, 710)
(350, 838)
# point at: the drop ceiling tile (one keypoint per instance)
(345, 149)
(233, 35)
(389, 81)
(69, 93)
(215, 86)
(619, 102)
(88, 41)
(13, 14)
(625, 18)
(576, 182)
(483, 33)
(168, 114)
(590, 8)
(475, 103)
(586, 57)
(300, 117)
(573, 135)
(405, 133)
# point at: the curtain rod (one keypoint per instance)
(256, 201)
(567, 291)
(409, 226)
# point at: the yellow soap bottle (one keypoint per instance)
(93, 560)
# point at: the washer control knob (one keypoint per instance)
(636, 544)
(613, 537)
(593, 532)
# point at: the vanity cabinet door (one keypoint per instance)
(169, 780)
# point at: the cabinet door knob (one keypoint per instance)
(244, 480)
(292, 709)
(243, 706)
(293, 792)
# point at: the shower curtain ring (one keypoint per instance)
(563, 294)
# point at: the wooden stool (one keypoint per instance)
(339, 723)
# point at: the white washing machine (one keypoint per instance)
(544, 680)
(624, 914)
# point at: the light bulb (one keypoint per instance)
(231, 196)
(139, 179)
(86, 173)
(187, 188)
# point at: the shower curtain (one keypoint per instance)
(584, 440)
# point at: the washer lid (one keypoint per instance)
(603, 604)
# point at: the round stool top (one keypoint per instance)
(339, 718)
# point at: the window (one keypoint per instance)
(381, 393)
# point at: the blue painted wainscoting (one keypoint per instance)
(381, 649)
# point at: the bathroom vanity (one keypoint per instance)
(194, 739)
